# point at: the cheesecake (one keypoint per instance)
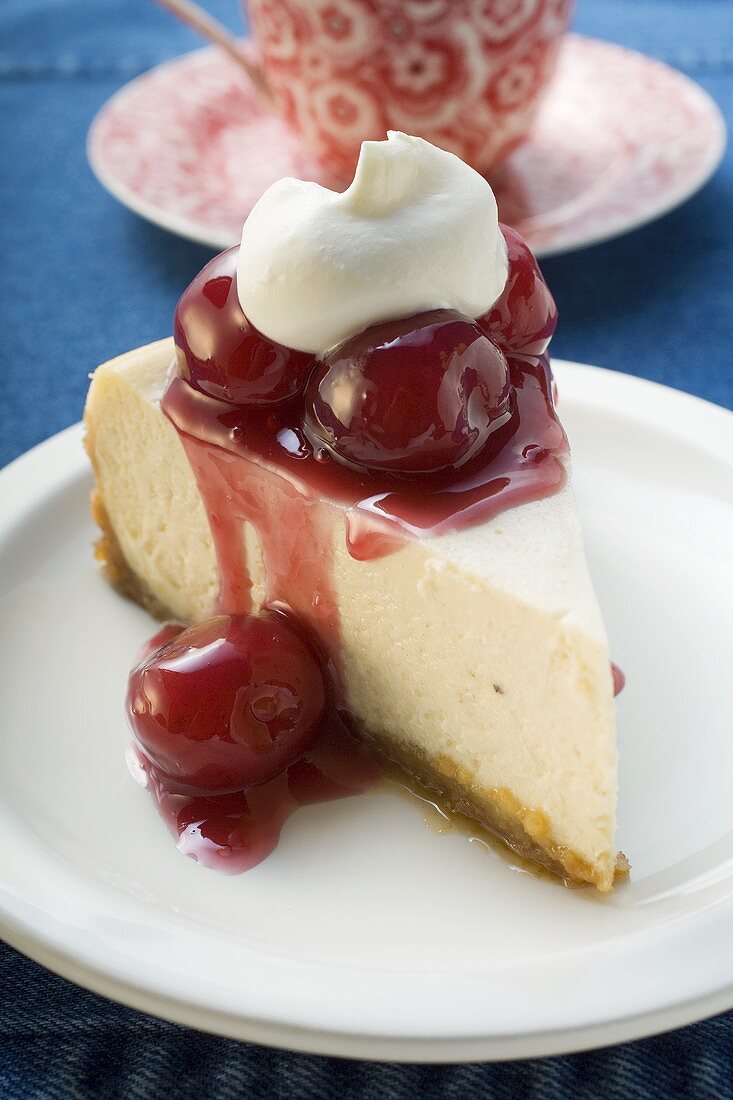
(355, 425)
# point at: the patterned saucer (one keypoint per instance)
(620, 140)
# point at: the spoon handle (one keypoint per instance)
(205, 25)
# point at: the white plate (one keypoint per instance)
(367, 934)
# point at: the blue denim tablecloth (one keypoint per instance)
(81, 279)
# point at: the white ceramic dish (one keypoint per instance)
(367, 934)
(620, 140)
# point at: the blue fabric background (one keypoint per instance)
(81, 280)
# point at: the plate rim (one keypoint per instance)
(46, 943)
(186, 228)
(547, 1043)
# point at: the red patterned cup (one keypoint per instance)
(467, 75)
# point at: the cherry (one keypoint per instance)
(167, 633)
(525, 316)
(415, 395)
(220, 353)
(228, 703)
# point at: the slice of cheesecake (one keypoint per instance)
(477, 659)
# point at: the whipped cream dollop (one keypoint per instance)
(417, 229)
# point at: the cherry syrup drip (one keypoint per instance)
(291, 530)
(234, 830)
(521, 463)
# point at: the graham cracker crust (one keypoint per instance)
(525, 831)
(108, 552)
(114, 565)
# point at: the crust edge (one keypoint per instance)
(524, 830)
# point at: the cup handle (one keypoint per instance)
(205, 25)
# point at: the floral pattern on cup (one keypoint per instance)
(466, 74)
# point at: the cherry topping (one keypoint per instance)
(220, 353)
(167, 633)
(415, 395)
(525, 316)
(228, 703)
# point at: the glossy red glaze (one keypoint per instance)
(221, 353)
(410, 396)
(522, 459)
(167, 633)
(228, 703)
(293, 537)
(524, 318)
(519, 461)
(234, 832)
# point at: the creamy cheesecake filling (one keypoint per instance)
(533, 755)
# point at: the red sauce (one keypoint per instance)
(255, 464)
(199, 704)
(521, 462)
(234, 832)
